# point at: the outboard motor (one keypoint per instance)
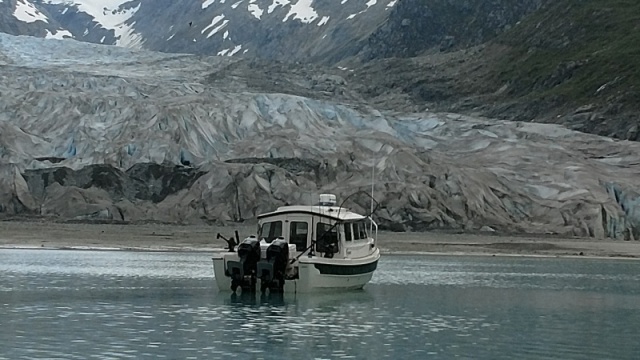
(271, 271)
(243, 272)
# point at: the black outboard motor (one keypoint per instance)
(271, 271)
(243, 272)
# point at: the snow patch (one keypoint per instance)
(254, 9)
(323, 21)
(235, 50)
(369, 4)
(392, 3)
(60, 34)
(230, 52)
(302, 11)
(218, 28)
(207, 3)
(236, 4)
(26, 12)
(214, 22)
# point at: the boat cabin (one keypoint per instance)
(324, 229)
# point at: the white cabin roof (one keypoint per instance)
(333, 212)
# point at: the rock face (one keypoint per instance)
(188, 139)
(415, 26)
(102, 192)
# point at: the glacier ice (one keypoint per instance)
(69, 105)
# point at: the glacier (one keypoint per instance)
(99, 132)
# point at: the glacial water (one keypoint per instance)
(136, 305)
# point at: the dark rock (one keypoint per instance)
(141, 182)
(156, 182)
(115, 182)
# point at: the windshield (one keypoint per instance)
(271, 230)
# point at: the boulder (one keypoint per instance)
(15, 197)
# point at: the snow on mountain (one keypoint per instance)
(319, 31)
(29, 17)
(110, 14)
(276, 29)
(60, 34)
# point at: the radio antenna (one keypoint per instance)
(373, 169)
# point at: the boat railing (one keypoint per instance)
(374, 229)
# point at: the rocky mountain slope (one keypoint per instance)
(318, 31)
(586, 63)
(569, 63)
(151, 136)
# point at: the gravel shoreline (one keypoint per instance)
(163, 237)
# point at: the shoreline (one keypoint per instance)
(392, 253)
(30, 235)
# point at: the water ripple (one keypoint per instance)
(416, 308)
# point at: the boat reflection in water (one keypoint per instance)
(307, 301)
(247, 298)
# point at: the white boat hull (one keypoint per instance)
(315, 274)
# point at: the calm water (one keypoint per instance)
(117, 305)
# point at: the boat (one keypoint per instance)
(301, 249)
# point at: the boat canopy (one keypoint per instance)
(330, 212)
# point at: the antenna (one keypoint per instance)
(373, 169)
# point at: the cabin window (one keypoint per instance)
(326, 238)
(271, 230)
(298, 234)
(347, 232)
(360, 230)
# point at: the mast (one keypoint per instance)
(373, 169)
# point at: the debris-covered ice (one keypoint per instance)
(73, 105)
